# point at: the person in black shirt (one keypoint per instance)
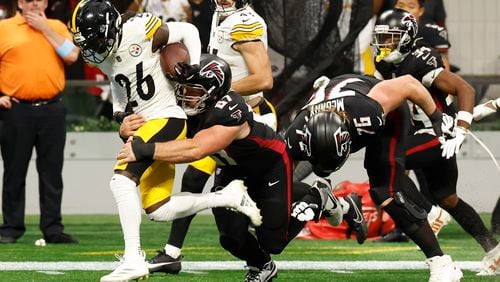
(351, 112)
(221, 125)
(400, 53)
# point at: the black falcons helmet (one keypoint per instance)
(329, 142)
(394, 35)
(213, 82)
(96, 28)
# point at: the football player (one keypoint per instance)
(351, 112)
(432, 34)
(223, 127)
(126, 48)
(400, 53)
(239, 36)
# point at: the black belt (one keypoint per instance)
(40, 102)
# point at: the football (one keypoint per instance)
(172, 54)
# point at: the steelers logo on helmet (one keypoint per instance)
(96, 28)
(329, 142)
(394, 35)
(213, 82)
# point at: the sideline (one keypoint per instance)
(238, 265)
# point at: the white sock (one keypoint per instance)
(129, 209)
(345, 205)
(184, 204)
(172, 251)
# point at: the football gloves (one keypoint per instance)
(186, 73)
(452, 146)
(303, 211)
(486, 109)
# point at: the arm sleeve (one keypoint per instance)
(188, 34)
(119, 98)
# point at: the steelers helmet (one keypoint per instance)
(394, 35)
(328, 142)
(226, 10)
(212, 81)
(96, 28)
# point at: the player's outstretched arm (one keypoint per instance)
(486, 109)
(204, 143)
(391, 93)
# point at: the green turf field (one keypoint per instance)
(100, 238)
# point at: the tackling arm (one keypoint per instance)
(204, 143)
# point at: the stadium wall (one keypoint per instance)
(89, 160)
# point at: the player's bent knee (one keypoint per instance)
(408, 216)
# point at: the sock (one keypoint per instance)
(193, 180)
(129, 209)
(172, 251)
(184, 204)
(470, 221)
(345, 205)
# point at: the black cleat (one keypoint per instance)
(267, 273)
(61, 238)
(355, 218)
(164, 263)
(395, 235)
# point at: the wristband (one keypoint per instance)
(143, 151)
(65, 48)
(437, 115)
(464, 116)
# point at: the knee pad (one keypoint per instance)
(408, 216)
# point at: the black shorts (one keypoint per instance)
(423, 152)
(272, 191)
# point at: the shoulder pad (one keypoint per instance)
(147, 22)
(230, 110)
(245, 26)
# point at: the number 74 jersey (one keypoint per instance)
(136, 75)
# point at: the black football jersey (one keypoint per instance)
(434, 36)
(424, 64)
(346, 94)
(257, 151)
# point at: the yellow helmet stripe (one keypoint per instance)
(73, 18)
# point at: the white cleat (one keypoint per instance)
(443, 269)
(437, 219)
(242, 202)
(132, 269)
(491, 263)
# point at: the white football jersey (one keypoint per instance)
(136, 75)
(243, 25)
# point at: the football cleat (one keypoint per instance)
(129, 269)
(437, 219)
(330, 205)
(491, 263)
(242, 202)
(354, 217)
(164, 263)
(395, 235)
(267, 273)
(443, 269)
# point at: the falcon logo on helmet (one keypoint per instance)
(394, 35)
(342, 141)
(213, 70)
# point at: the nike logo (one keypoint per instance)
(154, 266)
(232, 107)
(358, 218)
(287, 142)
(272, 183)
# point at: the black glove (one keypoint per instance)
(186, 73)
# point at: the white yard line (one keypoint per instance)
(237, 265)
